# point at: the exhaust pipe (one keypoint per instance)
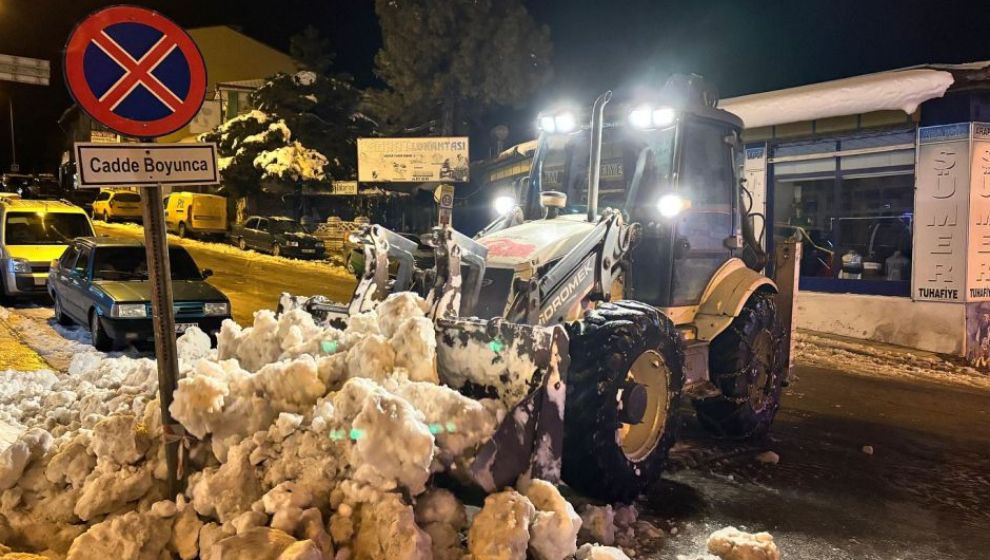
(595, 159)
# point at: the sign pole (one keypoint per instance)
(162, 310)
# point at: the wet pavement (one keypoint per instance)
(924, 493)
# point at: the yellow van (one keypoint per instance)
(32, 234)
(196, 214)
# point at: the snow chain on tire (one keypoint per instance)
(603, 347)
(750, 384)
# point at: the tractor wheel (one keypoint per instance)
(623, 390)
(747, 364)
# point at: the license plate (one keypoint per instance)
(183, 327)
(40, 281)
(309, 250)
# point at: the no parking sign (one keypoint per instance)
(135, 71)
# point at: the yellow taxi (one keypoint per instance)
(117, 205)
(33, 233)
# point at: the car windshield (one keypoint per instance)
(634, 163)
(130, 263)
(127, 197)
(45, 228)
(285, 226)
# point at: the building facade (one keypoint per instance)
(885, 179)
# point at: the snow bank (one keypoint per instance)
(902, 90)
(304, 441)
(730, 543)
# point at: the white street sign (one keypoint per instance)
(107, 165)
(24, 70)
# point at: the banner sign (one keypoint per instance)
(413, 160)
(344, 188)
(24, 70)
(941, 201)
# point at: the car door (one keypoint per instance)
(100, 203)
(76, 303)
(261, 236)
(59, 277)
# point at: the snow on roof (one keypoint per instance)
(524, 149)
(902, 90)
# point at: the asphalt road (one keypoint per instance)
(254, 283)
(924, 493)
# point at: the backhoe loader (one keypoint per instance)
(624, 276)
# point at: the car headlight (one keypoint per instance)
(504, 204)
(670, 205)
(291, 243)
(129, 310)
(216, 308)
(17, 265)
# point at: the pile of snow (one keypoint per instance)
(901, 90)
(732, 544)
(302, 441)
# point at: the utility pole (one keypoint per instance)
(14, 168)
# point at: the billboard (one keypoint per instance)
(413, 160)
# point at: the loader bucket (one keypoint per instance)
(525, 367)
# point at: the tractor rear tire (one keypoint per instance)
(616, 343)
(748, 364)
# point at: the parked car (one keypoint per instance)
(278, 236)
(102, 283)
(32, 233)
(117, 205)
(196, 214)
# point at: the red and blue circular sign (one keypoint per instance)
(135, 71)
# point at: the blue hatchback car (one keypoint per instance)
(102, 283)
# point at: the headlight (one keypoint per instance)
(547, 124)
(644, 116)
(504, 204)
(663, 116)
(560, 123)
(129, 310)
(19, 266)
(216, 308)
(640, 117)
(291, 243)
(565, 122)
(671, 205)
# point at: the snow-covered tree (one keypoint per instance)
(301, 134)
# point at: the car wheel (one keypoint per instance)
(182, 230)
(241, 244)
(101, 340)
(276, 250)
(60, 316)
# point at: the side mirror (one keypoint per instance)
(207, 272)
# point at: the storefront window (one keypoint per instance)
(854, 217)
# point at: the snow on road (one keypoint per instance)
(881, 360)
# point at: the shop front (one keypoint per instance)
(892, 205)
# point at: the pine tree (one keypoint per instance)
(447, 62)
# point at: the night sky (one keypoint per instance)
(742, 46)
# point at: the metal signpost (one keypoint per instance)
(140, 74)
